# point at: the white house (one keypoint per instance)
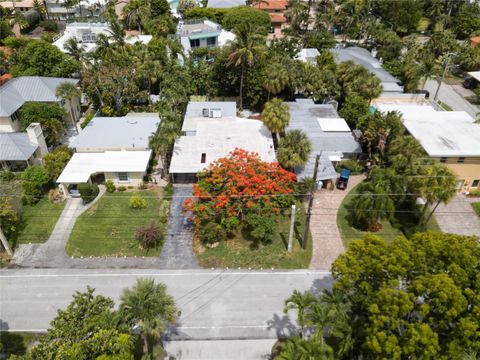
(211, 131)
(202, 34)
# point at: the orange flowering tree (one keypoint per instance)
(234, 185)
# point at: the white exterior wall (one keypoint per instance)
(134, 178)
(7, 125)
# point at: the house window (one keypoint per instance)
(14, 116)
(122, 176)
(195, 43)
(204, 158)
(211, 41)
(475, 183)
(443, 159)
(461, 160)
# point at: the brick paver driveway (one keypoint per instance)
(458, 217)
(327, 242)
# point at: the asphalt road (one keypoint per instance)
(214, 305)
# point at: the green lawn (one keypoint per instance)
(401, 225)
(108, 227)
(38, 221)
(240, 252)
(476, 207)
(16, 343)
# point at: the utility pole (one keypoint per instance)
(443, 76)
(292, 226)
(310, 202)
(5, 243)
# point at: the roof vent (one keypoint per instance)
(132, 121)
(215, 113)
(205, 112)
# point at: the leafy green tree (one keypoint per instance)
(294, 149)
(276, 79)
(388, 43)
(276, 116)
(326, 61)
(468, 58)
(239, 17)
(319, 40)
(260, 227)
(467, 20)
(314, 82)
(353, 109)
(49, 115)
(401, 16)
(356, 79)
(297, 16)
(34, 181)
(42, 59)
(136, 13)
(159, 8)
(441, 43)
(216, 15)
(5, 30)
(148, 306)
(162, 141)
(404, 153)
(184, 5)
(56, 161)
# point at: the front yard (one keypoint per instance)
(240, 251)
(476, 207)
(108, 228)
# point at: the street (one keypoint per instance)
(214, 304)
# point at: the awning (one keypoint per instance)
(475, 75)
(82, 165)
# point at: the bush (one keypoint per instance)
(260, 227)
(148, 236)
(137, 202)
(354, 167)
(211, 233)
(304, 186)
(7, 176)
(35, 181)
(231, 224)
(88, 192)
(474, 193)
(87, 120)
(163, 211)
(49, 25)
(110, 186)
(122, 188)
(168, 191)
(239, 16)
(142, 186)
(55, 196)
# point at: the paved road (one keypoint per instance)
(177, 250)
(214, 305)
(450, 97)
(458, 217)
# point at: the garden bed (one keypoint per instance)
(108, 228)
(240, 251)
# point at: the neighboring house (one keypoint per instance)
(111, 148)
(474, 41)
(202, 34)
(225, 4)
(58, 9)
(19, 6)
(211, 131)
(329, 134)
(277, 9)
(363, 57)
(86, 33)
(308, 55)
(19, 150)
(17, 91)
(450, 137)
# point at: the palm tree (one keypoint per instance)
(371, 206)
(74, 50)
(297, 16)
(162, 141)
(248, 47)
(294, 149)
(67, 92)
(148, 306)
(404, 152)
(117, 34)
(135, 13)
(301, 303)
(276, 79)
(299, 349)
(429, 69)
(276, 116)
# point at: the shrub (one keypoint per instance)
(260, 228)
(304, 186)
(148, 236)
(231, 224)
(137, 202)
(122, 188)
(110, 186)
(87, 120)
(142, 186)
(351, 165)
(168, 191)
(55, 196)
(474, 193)
(88, 192)
(49, 25)
(211, 233)
(7, 176)
(163, 211)
(35, 180)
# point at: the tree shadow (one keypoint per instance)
(319, 285)
(283, 326)
(10, 343)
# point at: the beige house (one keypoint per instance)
(17, 91)
(111, 148)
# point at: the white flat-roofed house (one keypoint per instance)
(212, 131)
(112, 148)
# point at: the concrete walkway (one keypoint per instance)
(449, 96)
(458, 217)
(177, 252)
(327, 242)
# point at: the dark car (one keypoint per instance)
(342, 181)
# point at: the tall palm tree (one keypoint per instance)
(301, 302)
(276, 116)
(371, 206)
(248, 47)
(136, 13)
(276, 79)
(299, 349)
(67, 92)
(294, 149)
(297, 16)
(148, 306)
(404, 152)
(75, 50)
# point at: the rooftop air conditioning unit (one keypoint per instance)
(215, 113)
(205, 112)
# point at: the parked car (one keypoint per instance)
(342, 181)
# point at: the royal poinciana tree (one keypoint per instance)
(238, 184)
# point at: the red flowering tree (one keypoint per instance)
(234, 185)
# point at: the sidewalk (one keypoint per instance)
(458, 217)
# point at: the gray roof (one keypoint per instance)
(195, 108)
(126, 132)
(363, 57)
(19, 90)
(303, 116)
(225, 4)
(16, 147)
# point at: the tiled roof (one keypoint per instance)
(272, 5)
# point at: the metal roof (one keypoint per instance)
(303, 116)
(16, 147)
(225, 4)
(116, 133)
(19, 90)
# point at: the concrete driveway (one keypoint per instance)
(458, 217)
(449, 96)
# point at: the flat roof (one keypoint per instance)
(225, 4)
(82, 165)
(333, 125)
(126, 132)
(308, 54)
(441, 133)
